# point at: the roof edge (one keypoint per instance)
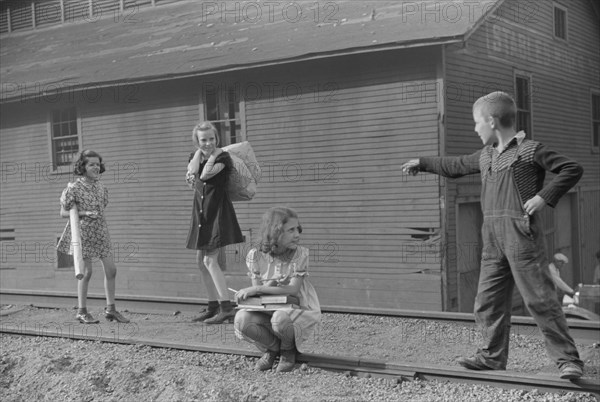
(483, 19)
(240, 67)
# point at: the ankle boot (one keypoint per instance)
(287, 360)
(266, 361)
(209, 312)
(226, 313)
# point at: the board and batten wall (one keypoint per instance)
(518, 40)
(333, 154)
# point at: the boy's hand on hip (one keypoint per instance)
(535, 204)
(411, 167)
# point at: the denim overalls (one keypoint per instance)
(514, 253)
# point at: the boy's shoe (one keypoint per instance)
(287, 361)
(86, 318)
(115, 316)
(570, 371)
(266, 361)
(474, 363)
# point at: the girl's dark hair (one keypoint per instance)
(82, 160)
(271, 228)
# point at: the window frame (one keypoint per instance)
(558, 7)
(529, 79)
(223, 102)
(60, 168)
(594, 120)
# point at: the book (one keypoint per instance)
(269, 299)
(280, 306)
(267, 307)
(279, 299)
(250, 301)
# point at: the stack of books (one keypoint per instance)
(269, 302)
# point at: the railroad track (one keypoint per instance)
(582, 331)
(358, 366)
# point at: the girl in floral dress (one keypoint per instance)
(91, 197)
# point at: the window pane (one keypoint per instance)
(65, 141)
(560, 23)
(73, 127)
(596, 137)
(212, 105)
(596, 107)
(522, 90)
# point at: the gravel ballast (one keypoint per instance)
(55, 369)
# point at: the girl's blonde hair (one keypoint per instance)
(271, 228)
(204, 126)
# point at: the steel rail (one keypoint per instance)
(583, 331)
(354, 366)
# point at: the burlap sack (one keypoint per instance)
(244, 176)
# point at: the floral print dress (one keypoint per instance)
(87, 196)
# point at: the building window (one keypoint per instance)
(596, 121)
(523, 100)
(65, 136)
(223, 107)
(560, 22)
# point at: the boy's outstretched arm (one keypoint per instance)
(447, 166)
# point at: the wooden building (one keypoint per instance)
(333, 96)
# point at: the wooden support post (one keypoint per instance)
(33, 24)
(8, 21)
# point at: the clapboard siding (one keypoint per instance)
(145, 145)
(520, 38)
(337, 163)
(334, 156)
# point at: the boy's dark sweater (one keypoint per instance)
(530, 168)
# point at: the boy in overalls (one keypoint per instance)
(512, 195)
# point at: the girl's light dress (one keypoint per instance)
(279, 273)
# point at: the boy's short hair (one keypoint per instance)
(499, 105)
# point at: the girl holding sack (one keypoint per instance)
(214, 223)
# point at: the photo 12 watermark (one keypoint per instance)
(255, 12)
(37, 172)
(272, 91)
(109, 332)
(69, 92)
(466, 11)
(31, 252)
